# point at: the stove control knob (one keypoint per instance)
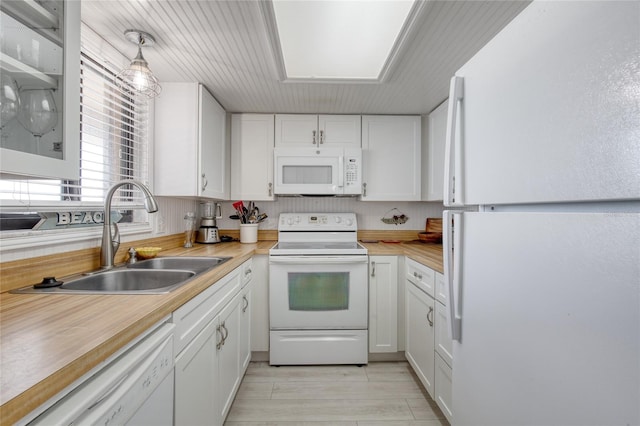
(349, 222)
(338, 219)
(297, 219)
(290, 221)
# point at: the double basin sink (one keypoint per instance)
(153, 276)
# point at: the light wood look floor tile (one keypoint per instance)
(383, 393)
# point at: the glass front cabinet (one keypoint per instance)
(40, 92)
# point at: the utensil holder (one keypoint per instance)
(248, 232)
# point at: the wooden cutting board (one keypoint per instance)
(434, 224)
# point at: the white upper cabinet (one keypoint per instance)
(433, 154)
(191, 150)
(40, 70)
(252, 157)
(301, 130)
(391, 148)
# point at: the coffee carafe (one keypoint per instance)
(208, 231)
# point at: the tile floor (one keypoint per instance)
(381, 393)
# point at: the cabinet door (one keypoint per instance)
(37, 46)
(296, 130)
(444, 343)
(228, 372)
(420, 333)
(195, 379)
(176, 166)
(252, 157)
(444, 389)
(245, 326)
(260, 305)
(391, 158)
(433, 176)
(383, 304)
(339, 130)
(214, 151)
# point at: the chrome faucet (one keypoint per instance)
(111, 239)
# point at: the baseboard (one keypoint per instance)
(263, 356)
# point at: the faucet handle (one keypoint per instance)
(132, 255)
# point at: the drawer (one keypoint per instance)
(247, 272)
(424, 278)
(193, 316)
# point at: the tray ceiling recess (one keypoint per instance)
(339, 41)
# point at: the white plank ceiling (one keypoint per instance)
(224, 45)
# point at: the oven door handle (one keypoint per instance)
(315, 260)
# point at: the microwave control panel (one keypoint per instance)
(353, 172)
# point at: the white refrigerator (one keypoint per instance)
(543, 142)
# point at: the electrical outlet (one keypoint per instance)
(159, 224)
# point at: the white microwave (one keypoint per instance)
(317, 171)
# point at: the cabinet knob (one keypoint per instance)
(321, 136)
(314, 137)
(270, 189)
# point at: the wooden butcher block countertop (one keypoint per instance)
(50, 341)
(428, 254)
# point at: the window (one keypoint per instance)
(114, 134)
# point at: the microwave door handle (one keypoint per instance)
(341, 171)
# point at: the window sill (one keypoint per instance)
(29, 239)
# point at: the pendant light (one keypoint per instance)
(138, 78)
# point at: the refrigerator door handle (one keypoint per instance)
(452, 246)
(452, 163)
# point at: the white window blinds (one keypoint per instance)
(114, 139)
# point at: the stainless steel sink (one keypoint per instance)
(128, 281)
(196, 264)
(154, 276)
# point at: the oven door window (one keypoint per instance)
(318, 291)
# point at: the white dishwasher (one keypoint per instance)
(136, 389)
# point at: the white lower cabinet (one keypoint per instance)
(213, 346)
(229, 375)
(245, 316)
(195, 373)
(443, 388)
(383, 304)
(260, 305)
(420, 334)
(428, 347)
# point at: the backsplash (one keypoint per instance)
(369, 214)
(170, 219)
